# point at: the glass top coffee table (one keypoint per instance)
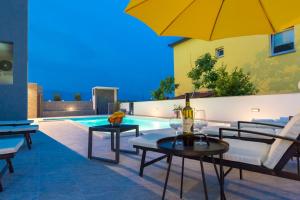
(203, 146)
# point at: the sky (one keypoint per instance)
(75, 45)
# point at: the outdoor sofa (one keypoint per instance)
(9, 146)
(245, 153)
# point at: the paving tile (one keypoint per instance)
(57, 169)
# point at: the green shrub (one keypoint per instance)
(56, 97)
(77, 97)
(219, 80)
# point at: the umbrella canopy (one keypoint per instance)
(216, 19)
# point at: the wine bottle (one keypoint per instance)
(188, 122)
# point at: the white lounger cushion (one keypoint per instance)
(245, 125)
(240, 151)
(246, 152)
(149, 140)
(18, 128)
(214, 131)
(10, 144)
(279, 147)
(8, 123)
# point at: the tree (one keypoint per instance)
(219, 80)
(236, 83)
(166, 88)
(77, 96)
(202, 74)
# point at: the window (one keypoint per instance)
(220, 52)
(283, 42)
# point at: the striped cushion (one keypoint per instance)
(26, 128)
(16, 122)
(10, 144)
(4, 129)
(279, 147)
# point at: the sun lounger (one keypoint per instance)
(25, 130)
(16, 122)
(271, 129)
(9, 146)
(253, 156)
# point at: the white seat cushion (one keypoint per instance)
(16, 122)
(279, 147)
(10, 144)
(214, 131)
(246, 152)
(245, 125)
(149, 140)
(18, 128)
(261, 130)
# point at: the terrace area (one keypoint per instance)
(57, 168)
(95, 105)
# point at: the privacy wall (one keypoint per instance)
(227, 108)
(13, 29)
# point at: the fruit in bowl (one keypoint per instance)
(116, 118)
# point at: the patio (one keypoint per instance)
(57, 168)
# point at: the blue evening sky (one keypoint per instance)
(75, 45)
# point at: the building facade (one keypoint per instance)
(13, 31)
(273, 61)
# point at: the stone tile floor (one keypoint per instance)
(57, 168)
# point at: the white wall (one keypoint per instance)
(228, 108)
(13, 28)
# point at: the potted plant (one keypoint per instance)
(177, 110)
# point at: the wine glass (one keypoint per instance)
(175, 124)
(200, 120)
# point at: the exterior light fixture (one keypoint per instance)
(255, 110)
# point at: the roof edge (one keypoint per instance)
(177, 42)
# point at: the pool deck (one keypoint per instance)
(57, 168)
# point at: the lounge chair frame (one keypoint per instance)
(278, 171)
(8, 165)
(25, 133)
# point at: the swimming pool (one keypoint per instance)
(145, 123)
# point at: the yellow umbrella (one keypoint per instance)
(216, 19)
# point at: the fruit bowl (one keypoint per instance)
(116, 118)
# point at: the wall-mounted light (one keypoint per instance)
(70, 109)
(255, 110)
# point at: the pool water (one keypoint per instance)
(144, 123)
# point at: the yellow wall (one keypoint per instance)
(277, 74)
